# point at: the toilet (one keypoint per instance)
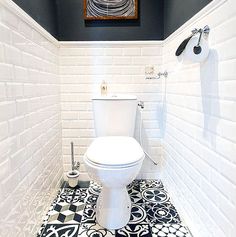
(114, 158)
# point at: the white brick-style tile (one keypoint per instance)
(132, 52)
(122, 67)
(5, 34)
(29, 122)
(199, 143)
(2, 54)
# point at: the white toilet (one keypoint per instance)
(114, 158)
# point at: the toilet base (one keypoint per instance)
(113, 208)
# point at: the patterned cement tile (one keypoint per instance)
(73, 213)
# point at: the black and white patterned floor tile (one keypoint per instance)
(169, 230)
(89, 212)
(142, 230)
(135, 196)
(145, 184)
(153, 195)
(94, 230)
(70, 195)
(73, 213)
(138, 215)
(47, 216)
(56, 230)
(162, 213)
(64, 213)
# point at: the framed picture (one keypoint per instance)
(110, 9)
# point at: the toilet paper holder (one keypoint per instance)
(205, 31)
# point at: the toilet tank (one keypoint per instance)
(114, 115)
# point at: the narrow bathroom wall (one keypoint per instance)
(83, 66)
(30, 125)
(199, 163)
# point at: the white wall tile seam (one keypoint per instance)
(195, 154)
(207, 130)
(206, 113)
(199, 140)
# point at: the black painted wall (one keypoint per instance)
(72, 26)
(177, 12)
(157, 19)
(43, 11)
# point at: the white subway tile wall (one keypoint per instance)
(30, 125)
(199, 162)
(189, 118)
(83, 67)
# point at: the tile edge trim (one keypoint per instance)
(105, 44)
(212, 6)
(16, 10)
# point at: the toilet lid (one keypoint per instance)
(114, 151)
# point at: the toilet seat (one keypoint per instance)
(110, 167)
(114, 152)
(114, 162)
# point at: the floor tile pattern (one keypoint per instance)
(73, 213)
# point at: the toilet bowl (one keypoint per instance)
(114, 158)
(114, 162)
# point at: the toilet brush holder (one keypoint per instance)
(73, 178)
(73, 175)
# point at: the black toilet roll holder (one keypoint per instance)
(197, 49)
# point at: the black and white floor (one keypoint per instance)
(72, 213)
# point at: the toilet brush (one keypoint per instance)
(73, 175)
(72, 157)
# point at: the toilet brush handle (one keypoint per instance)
(72, 156)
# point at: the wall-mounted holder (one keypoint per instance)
(203, 32)
(159, 75)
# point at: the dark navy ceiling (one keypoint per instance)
(157, 19)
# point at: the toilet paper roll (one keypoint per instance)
(189, 56)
